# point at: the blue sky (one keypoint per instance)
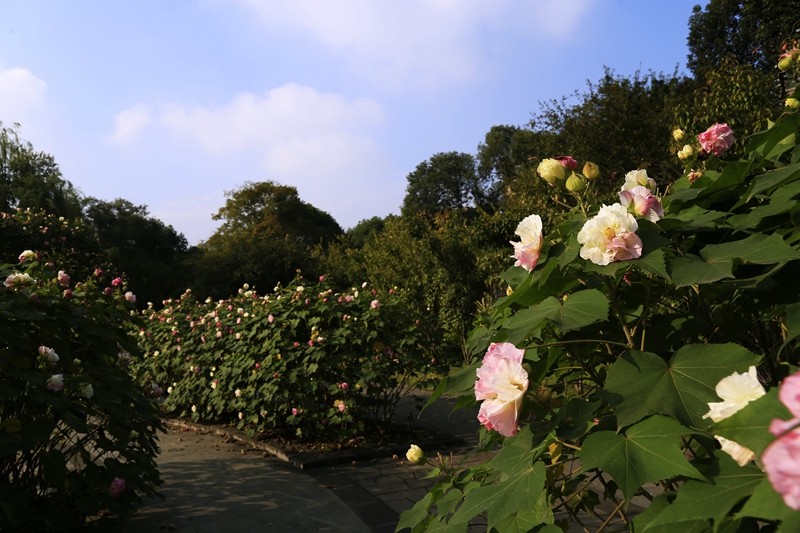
(170, 104)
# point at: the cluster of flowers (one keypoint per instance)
(565, 169)
(607, 237)
(716, 141)
(780, 459)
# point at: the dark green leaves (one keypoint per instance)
(646, 452)
(642, 383)
(580, 309)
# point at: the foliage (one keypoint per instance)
(267, 234)
(623, 360)
(619, 123)
(749, 33)
(77, 436)
(71, 244)
(445, 181)
(149, 252)
(32, 180)
(303, 361)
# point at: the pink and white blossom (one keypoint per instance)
(18, 280)
(27, 255)
(610, 236)
(642, 202)
(48, 354)
(638, 178)
(717, 139)
(501, 384)
(528, 249)
(63, 278)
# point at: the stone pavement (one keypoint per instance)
(217, 484)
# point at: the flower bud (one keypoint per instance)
(415, 455)
(785, 62)
(551, 170)
(591, 170)
(568, 161)
(678, 134)
(686, 152)
(792, 103)
(576, 183)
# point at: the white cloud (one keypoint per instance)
(129, 123)
(21, 93)
(321, 143)
(421, 43)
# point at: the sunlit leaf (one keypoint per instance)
(691, 270)
(729, 484)
(642, 383)
(646, 452)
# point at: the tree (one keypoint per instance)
(621, 124)
(447, 180)
(32, 180)
(749, 32)
(149, 252)
(267, 234)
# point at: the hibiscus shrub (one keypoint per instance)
(301, 362)
(77, 434)
(632, 375)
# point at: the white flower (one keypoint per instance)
(27, 255)
(87, 391)
(740, 454)
(55, 383)
(638, 178)
(527, 251)
(415, 455)
(610, 236)
(48, 354)
(736, 391)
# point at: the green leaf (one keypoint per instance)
(526, 320)
(654, 263)
(642, 383)
(690, 270)
(766, 504)
(730, 484)
(647, 452)
(581, 309)
(411, 517)
(758, 249)
(772, 179)
(792, 321)
(750, 426)
(642, 522)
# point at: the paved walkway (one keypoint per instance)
(217, 484)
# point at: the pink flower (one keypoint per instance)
(527, 251)
(642, 202)
(568, 162)
(68, 293)
(344, 386)
(116, 282)
(717, 139)
(375, 304)
(294, 411)
(117, 487)
(270, 319)
(130, 297)
(781, 459)
(63, 278)
(501, 384)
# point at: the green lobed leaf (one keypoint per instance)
(643, 521)
(654, 263)
(642, 383)
(758, 249)
(792, 321)
(750, 426)
(729, 484)
(772, 179)
(691, 270)
(646, 452)
(766, 504)
(581, 309)
(526, 320)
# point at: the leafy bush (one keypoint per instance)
(77, 435)
(303, 361)
(630, 332)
